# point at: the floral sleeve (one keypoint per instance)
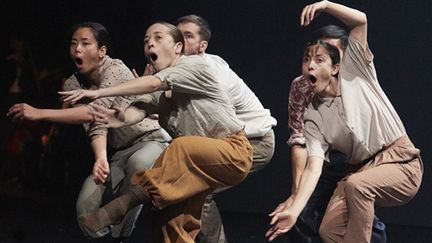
(300, 96)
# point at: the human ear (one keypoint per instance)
(203, 46)
(178, 47)
(102, 51)
(335, 69)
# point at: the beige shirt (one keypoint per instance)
(258, 120)
(113, 72)
(360, 122)
(198, 106)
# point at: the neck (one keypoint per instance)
(332, 89)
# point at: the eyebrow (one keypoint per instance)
(156, 32)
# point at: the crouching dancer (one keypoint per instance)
(209, 149)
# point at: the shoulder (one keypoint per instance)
(71, 83)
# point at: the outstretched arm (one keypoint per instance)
(354, 19)
(76, 115)
(115, 117)
(141, 85)
(283, 221)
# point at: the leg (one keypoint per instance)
(350, 213)
(89, 200)
(212, 230)
(215, 163)
(144, 155)
(211, 223)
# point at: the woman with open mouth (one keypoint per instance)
(209, 149)
(132, 148)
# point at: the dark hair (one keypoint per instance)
(174, 32)
(332, 50)
(331, 32)
(204, 26)
(99, 31)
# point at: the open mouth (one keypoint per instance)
(312, 79)
(153, 57)
(78, 61)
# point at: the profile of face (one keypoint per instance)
(160, 48)
(85, 51)
(318, 68)
(194, 45)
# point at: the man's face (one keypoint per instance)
(317, 68)
(194, 45)
(159, 47)
(85, 52)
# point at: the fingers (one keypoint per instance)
(148, 70)
(278, 209)
(308, 14)
(134, 72)
(72, 96)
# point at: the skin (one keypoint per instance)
(194, 43)
(160, 49)
(285, 216)
(86, 55)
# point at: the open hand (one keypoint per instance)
(75, 95)
(23, 111)
(281, 223)
(110, 118)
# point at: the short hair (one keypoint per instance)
(332, 50)
(174, 32)
(204, 26)
(99, 31)
(331, 32)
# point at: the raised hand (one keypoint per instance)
(75, 95)
(281, 223)
(110, 118)
(23, 111)
(311, 11)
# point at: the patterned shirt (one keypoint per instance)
(113, 72)
(300, 97)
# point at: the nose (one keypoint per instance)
(310, 65)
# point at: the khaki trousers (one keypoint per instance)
(188, 170)
(392, 177)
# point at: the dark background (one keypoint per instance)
(263, 42)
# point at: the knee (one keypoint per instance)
(356, 188)
(139, 163)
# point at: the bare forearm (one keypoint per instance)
(349, 16)
(298, 164)
(133, 115)
(141, 85)
(99, 144)
(308, 182)
(76, 115)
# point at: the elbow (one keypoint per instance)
(155, 84)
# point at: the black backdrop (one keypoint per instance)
(262, 41)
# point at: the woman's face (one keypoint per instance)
(317, 68)
(159, 47)
(85, 52)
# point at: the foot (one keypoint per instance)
(110, 214)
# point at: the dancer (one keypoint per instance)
(197, 112)
(300, 96)
(134, 148)
(258, 121)
(350, 113)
